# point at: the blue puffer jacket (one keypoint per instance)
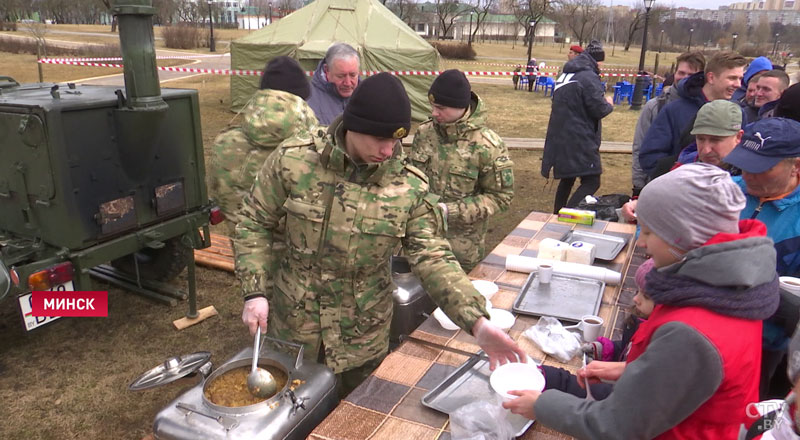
(663, 137)
(782, 218)
(757, 65)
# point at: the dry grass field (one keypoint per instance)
(69, 379)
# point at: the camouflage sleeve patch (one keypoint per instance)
(504, 172)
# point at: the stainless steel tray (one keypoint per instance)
(607, 247)
(565, 297)
(468, 384)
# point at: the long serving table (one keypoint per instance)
(388, 405)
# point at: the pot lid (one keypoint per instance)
(171, 370)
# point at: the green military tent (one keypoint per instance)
(383, 41)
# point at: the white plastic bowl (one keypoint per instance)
(486, 288)
(502, 318)
(516, 376)
(790, 284)
(444, 321)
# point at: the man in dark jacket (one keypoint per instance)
(333, 82)
(769, 89)
(572, 144)
(688, 63)
(669, 133)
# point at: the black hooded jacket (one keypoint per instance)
(572, 145)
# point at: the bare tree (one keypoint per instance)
(39, 31)
(581, 17)
(190, 12)
(762, 32)
(405, 10)
(481, 11)
(166, 11)
(634, 21)
(447, 12)
(529, 14)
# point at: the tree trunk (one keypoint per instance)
(114, 24)
(39, 57)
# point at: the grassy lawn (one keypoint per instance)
(518, 113)
(508, 53)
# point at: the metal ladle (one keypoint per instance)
(260, 382)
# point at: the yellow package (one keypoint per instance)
(579, 216)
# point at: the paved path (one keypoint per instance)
(538, 144)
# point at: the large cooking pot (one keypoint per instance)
(263, 362)
(292, 413)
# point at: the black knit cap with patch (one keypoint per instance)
(379, 107)
(284, 73)
(451, 89)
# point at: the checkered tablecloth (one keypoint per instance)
(388, 405)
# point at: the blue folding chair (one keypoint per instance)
(523, 81)
(647, 92)
(625, 91)
(660, 89)
(549, 84)
(540, 81)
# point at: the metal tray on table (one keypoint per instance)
(565, 297)
(607, 247)
(469, 384)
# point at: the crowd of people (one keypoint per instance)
(323, 194)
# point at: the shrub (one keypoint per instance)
(459, 51)
(184, 37)
(19, 45)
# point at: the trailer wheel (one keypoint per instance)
(162, 264)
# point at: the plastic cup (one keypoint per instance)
(545, 273)
(590, 326)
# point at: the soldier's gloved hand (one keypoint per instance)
(255, 313)
(500, 348)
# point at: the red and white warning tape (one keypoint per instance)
(237, 72)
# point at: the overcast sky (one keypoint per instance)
(694, 4)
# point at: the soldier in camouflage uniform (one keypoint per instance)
(276, 112)
(349, 199)
(466, 163)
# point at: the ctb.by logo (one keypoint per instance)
(758, 409)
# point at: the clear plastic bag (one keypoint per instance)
(481, 420)
(554, 339)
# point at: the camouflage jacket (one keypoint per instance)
(467, 165)
(238, 153)
(343, 222)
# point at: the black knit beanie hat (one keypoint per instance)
(789, 103)
(379, 107)
(284, 73)
(450, 89)
(595, 49)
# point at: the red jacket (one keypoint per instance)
(739, 344)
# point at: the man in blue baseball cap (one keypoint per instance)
(769, 157)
